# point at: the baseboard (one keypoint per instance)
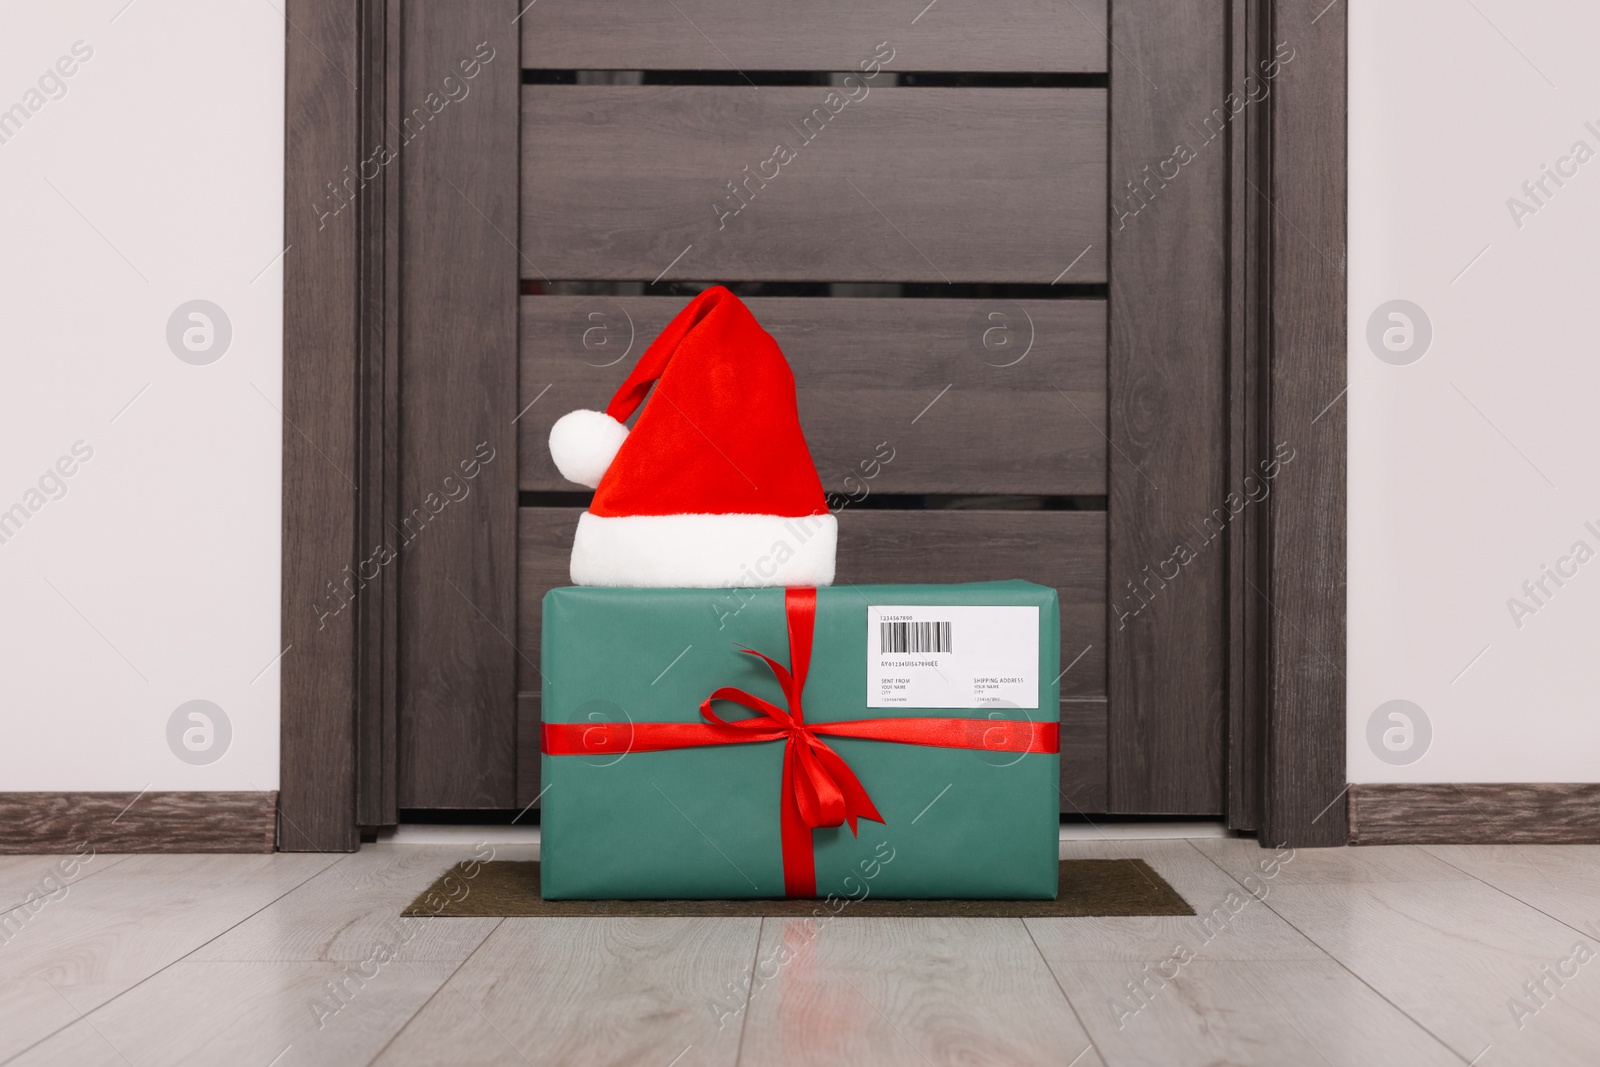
(138, 822)
(1522, 813)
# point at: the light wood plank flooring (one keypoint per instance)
(1477, 955)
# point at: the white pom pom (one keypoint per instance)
(583, 443)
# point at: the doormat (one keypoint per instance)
(1089, 888)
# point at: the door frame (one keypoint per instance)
(1288, 384)
(1286, 368)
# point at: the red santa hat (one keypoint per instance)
(714, 486)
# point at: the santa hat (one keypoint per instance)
(714, 486)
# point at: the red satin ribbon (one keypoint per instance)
(819, 788)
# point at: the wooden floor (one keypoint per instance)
(1438, 955)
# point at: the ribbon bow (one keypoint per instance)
(816, 780)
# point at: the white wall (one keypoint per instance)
(1479, 463)
(154, 180)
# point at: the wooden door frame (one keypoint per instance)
(338, 386)
(1286, 315)
(1287, 370)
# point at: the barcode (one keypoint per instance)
(913, 637)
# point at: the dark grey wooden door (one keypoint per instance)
(1005, 313)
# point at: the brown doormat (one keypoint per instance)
(1088, 888)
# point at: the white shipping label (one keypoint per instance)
(928, 656)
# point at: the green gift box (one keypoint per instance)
(929, 718)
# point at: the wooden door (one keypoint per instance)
(1006, 311)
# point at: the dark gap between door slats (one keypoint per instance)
(763, 78)
(882, 502)
(850, 290)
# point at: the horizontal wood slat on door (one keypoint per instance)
(998, 35)
(1062, 549)
(903, 184)
(1083, 755)
(971, 396)
(1066, 550)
